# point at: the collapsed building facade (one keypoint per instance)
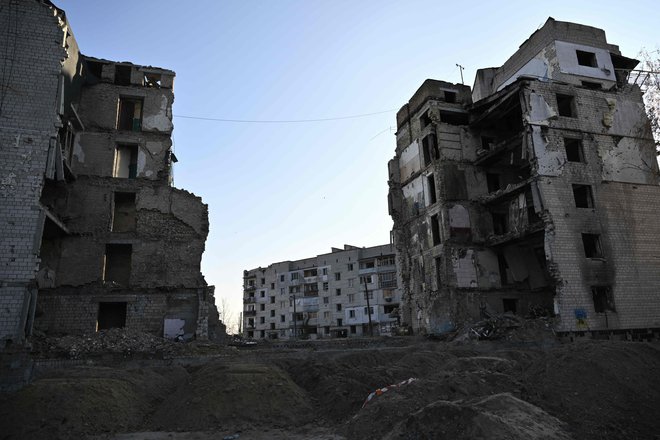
(535, 191)
(92, 233)
(349, 292)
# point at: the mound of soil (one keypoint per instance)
(488, 389)
(497, 417)
(217, 395)
(68, 403)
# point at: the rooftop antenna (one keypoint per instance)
(461, 68)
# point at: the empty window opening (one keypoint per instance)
(425, 119)
(430, 148)
(454, 118)
(592, 85)
(487, 142)
(583, 196)
(353, 330)
(338, 307)
(111, 315)
(592, 247)
(337, 276)
(493, 182)
(510, 305)
(351, 313)
(272, 313)
(450, 96)
(432, 194)
(499, 223)
(586, 58)
(504, 268)
(129, 116)
(574, 151)
(338, 292)
(123, 214)
(95, 68)
(126, 157)
(566, 105)
(435, 230)
(117, 263)
(438, 271)
(152, 80)
(603, 299)
(122, 75)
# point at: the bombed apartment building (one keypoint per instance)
(92, 233)
(349, 292)
(535, 192)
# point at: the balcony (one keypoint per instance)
(494, 154)
(519, 234)
(249, 300)
(250, 313)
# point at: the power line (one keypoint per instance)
(283, 121)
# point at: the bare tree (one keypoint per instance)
(227, 315)
(649, 81)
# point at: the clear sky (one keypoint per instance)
(285, 191)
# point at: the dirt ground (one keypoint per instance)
(462, 390)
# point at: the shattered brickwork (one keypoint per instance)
(533, 199)
(93, 235)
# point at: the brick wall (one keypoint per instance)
(33, 41)
(73, 310)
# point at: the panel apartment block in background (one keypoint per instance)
(92, 233)
(536, 191)
(323, 296)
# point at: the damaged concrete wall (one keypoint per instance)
(86, 204)
(527, 211)
(167, 240)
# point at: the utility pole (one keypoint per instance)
(366, 294)
(461, 69)
(295, 318)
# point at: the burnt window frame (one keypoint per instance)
(436, 239)
(573, 146)
(587, 197)
(433, 195)
(603, 299)
(566, 102)
(592, 245)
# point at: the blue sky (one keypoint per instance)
(284, 191)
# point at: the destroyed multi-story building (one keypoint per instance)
(347, 293)
(534, 192)
(92, 234)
